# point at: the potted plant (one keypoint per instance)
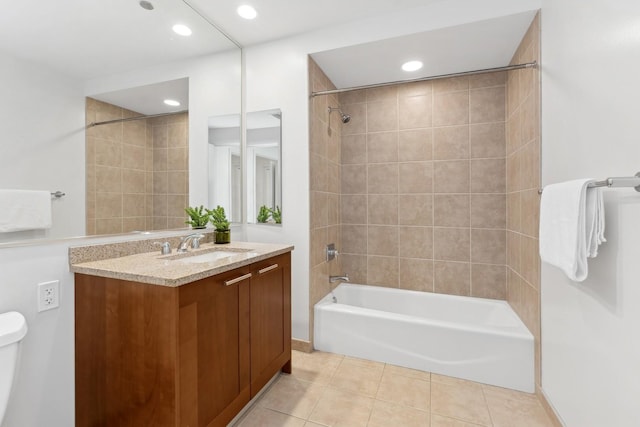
(199, 216)
(263, 215)
(221, 224)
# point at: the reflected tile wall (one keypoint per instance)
(523, 182)
(136, 171)
(423, 191)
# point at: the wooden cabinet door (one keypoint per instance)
(270, 320)
(214, 348)
(125, 353)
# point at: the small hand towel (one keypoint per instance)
(24, 210)
(571, 226)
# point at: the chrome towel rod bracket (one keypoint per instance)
(620, 181)
(58, 194)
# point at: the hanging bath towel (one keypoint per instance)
(24, 210)
(571, 226)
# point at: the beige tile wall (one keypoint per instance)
(126, 174)
(523, 182)
(170, 175)
(324, 175)
(423, 186)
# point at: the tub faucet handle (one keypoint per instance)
(331, 251)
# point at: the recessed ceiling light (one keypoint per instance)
(171, 102)
(412, 66)
(146, 5)
(183, 30)
(247, 12)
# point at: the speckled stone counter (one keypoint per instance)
(171, 270)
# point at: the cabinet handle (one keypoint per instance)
(264, 270)
(236, 280)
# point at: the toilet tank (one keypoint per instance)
(13, 328)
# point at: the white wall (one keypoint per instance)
(590, 128)
(42, 122)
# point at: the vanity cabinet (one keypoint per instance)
(192, 355)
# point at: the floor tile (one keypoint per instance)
(444, 379)
(516, 412)
(262, 417)
(385, 414)
(342, 408)
(405, 391)
(292, 396)
(326, 390)
(362, 378)
(460, 400)
(440, 421)
(316, 367)
(406, 372)
(507, 393)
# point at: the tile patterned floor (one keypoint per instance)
(327, 389)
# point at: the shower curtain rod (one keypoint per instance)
(422, 79)
(128, 119)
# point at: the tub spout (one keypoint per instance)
(334, 279)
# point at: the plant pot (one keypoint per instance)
(223, 236)
(199, 228)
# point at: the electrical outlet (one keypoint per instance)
(48, 295)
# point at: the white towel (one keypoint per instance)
(571, 226)
(24, 210)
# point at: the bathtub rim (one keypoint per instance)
(522, 332)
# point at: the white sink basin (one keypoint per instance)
(207, 257)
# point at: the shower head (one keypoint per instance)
(344, 117)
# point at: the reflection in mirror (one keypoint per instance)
(264, 166)
(225, 171)
(51, 64)
(264, 189)
(137, 159)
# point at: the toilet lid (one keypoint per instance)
(13, 327)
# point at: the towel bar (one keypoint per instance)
(621, 181)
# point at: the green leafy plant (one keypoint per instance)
(199, 216)
(263, 215)
(219, 218)
(276, 214)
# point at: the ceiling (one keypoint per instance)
(474, 46)
(90, 39)
(85, 39)
(278, 19)
(149, 99)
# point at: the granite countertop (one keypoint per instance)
(175, 269)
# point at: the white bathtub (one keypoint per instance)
(472, 338)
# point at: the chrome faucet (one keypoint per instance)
(184, 242)
(334, 279)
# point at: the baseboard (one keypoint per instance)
(553, 415)
(301, 345)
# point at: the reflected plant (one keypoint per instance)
(263, 215)
(198, 217)
(276, 214)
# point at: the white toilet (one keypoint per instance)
(13, 327)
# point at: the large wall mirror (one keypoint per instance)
(68, 64)
(262, 162)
